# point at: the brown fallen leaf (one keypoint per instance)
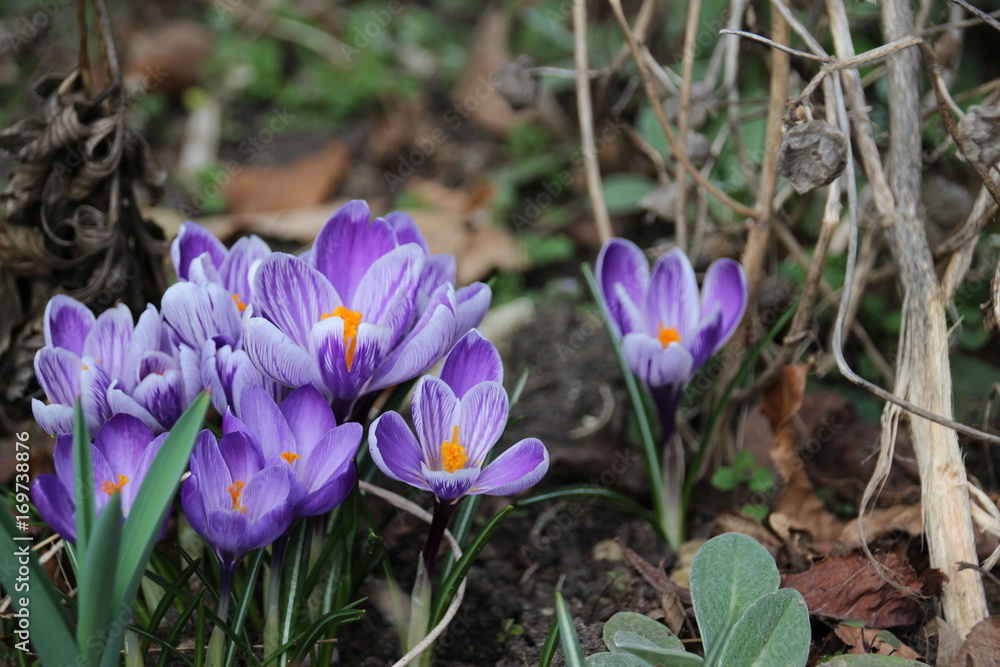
(870, 641)
(797, 508)
(738, 522)
(306, 182)
(982, 646)
(848, 586)
(167, 57)
(458, 221)
(906, 518)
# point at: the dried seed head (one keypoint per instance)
(812, 154)
(981, 127)
(517, 83)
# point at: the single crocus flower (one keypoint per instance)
(122, 453)
(234, 500)
(302, 434)
(458, 419)
(204, 311)
(667, 333)
(111, 364)
(349, 317)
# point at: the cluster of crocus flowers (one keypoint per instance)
(113, 365)
(667, 331)
(458, 419)
(122, 453)
(367, 308)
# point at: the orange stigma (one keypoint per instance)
(352, 320)
(239, 304)
(453, 455)
(668, 335)
(290, 458)
(109, 487)
(235, 491)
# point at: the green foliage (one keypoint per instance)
(111, 557)
(745, 470)
(743, 617)
(622, 192)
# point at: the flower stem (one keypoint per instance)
(671, 511)
(216, 644)
(443, 510)
(273, 621)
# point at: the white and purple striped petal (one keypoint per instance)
(348, 245)
(472, 360)
(518, 468)
(67, 323)
(725, 288)
(621, 263)
(192, 242)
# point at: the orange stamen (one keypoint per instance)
(239, 304)
(109, 487)
(235, 491)
(453, 455)
(352, 320)
(290, 458)
(668, 335)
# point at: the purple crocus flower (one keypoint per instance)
(458, 418)
(122, 453)
(303, 435)
(667, 331)
(350, 317)
(204, 311)
(111, 364)
(233, 499)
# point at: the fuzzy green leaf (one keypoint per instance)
(653, 631)
(729, 573)
(773, 631)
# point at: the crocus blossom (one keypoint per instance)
(458, 418)
(111, 364)
(233, 499)
(303, 435)
(122, 453)
(667, 330)
(204, 312)
(350, 317)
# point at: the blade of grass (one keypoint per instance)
(152, 503)
(449, 586)
(237, 638)
(48, 621)
(588, 491)
(572, 651)
(175, 632)
(293, 579)
(83, 479)
(549, 647)
(95, 632)
(166, 647)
